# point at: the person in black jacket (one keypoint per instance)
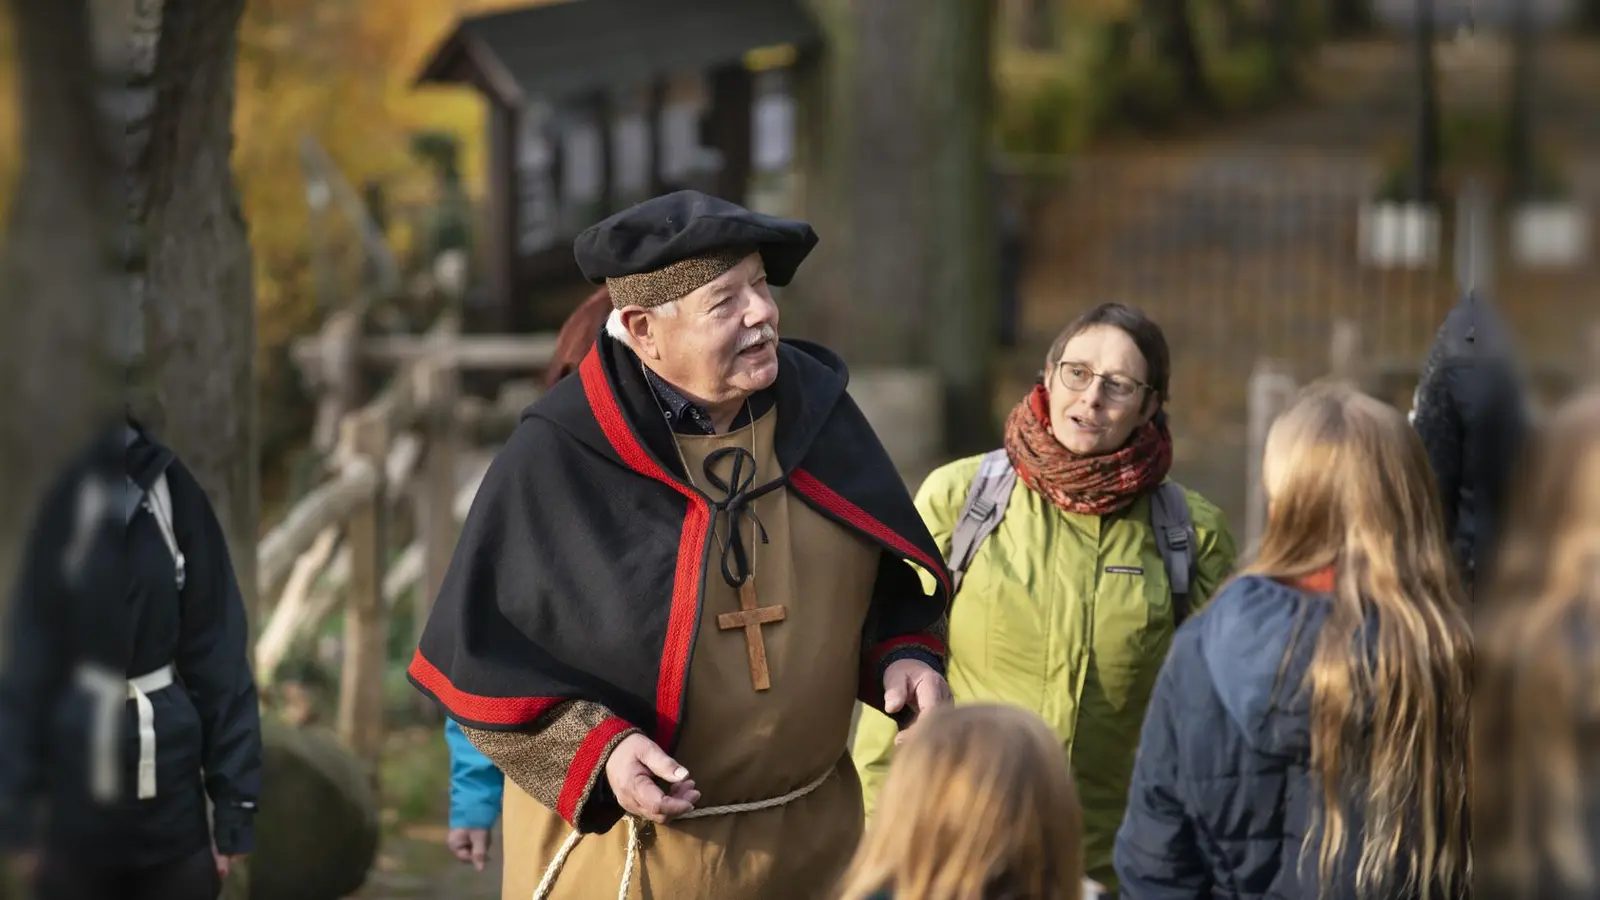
(127, 699)
(1471, 413)
(1308, 733)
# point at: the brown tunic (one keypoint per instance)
(738, 744)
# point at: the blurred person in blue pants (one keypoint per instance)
(476, 787)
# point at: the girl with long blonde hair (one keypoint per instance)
(1537, 712)
(978, 806)
(1308, 736)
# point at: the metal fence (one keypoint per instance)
(1243, 258)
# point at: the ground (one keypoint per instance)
(413, 863)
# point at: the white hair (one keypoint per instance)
(619, 331)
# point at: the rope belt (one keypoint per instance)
(548, 883)
(110, 691)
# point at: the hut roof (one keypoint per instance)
(562, 49)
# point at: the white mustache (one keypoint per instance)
(764, 333)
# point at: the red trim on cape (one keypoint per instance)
(580, 773)
(830, 500)
(488, 710)
(691, 546)
(516, 711)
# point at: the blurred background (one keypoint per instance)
(342, 245)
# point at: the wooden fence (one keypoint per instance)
(401, 471)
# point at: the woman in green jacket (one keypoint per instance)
(1066, 607)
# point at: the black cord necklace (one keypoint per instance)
(739, 495)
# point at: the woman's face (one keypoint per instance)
(1098, 394)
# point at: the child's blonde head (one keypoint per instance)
(979, 804)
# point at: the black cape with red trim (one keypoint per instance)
(581, 566)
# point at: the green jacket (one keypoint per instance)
(1039, 625)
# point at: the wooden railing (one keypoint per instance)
(401, 475)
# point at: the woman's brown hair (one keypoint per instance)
(1537, 713)
(1349, 488)
(1140, 328)
(980, 804)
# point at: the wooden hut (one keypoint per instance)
(596, 104)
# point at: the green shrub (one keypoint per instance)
(1246, 80)
(1144, 94)
(1474, 140)
(416, 777)
(1050, 116)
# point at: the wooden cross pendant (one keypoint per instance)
(751, 617)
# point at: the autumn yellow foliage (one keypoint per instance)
(342, 71)
(10, 115)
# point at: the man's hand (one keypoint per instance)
(23, 867)
(629, 772)
(913, 682)
(470, 845)
(224, 863)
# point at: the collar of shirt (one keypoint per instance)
(685, 416)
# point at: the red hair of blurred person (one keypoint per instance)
(577, 335)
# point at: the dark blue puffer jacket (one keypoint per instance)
(1222, 793)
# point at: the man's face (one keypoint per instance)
(720, 344)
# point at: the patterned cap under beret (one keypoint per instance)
(659, 250)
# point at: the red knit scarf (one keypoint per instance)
(1091, 485)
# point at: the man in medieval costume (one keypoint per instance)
(678, 576)
(1471, 413)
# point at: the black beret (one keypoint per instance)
(658, 232)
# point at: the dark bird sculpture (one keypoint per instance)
(1471, 411)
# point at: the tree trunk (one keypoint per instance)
(1519, 151)
(1350, 18)
(860, 164)
(200, 327)
(962, 239)
(894, 162)
(1180, 43)
(1283, 27)
(1236, 22)
(58, 382)
(1428, 150)
(68, 323)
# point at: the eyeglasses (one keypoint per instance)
(1078, 377)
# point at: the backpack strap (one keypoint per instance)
(1176, 539)
(987, 499)
(161, 505)
(158, 502)
(990, 494)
